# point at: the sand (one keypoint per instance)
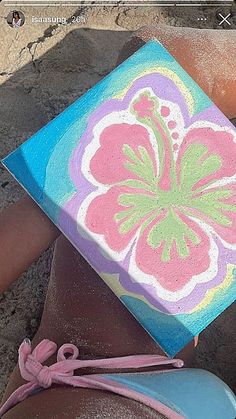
(44, 68)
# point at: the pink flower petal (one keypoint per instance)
(108, 163)
(226, 232)
(101, 217)
(217, 143)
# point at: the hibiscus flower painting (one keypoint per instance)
(142, 180)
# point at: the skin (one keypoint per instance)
(73, 313)
(24, 223)
(100, 327)
(16, 17)
(191, 46)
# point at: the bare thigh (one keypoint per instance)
(81, 309)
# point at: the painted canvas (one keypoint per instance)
(140, 175)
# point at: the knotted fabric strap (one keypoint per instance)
(62, 372)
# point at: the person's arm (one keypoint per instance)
(25, 232)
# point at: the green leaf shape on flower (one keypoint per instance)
(213, 206)
(169, 230)
(196, 164)
(142, 165)
(138, 207)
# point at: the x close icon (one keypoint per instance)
(224, 19)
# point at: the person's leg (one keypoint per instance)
(89, 313)
(207, 57)
(81, 309)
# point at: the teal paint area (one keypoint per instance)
(171, 331)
